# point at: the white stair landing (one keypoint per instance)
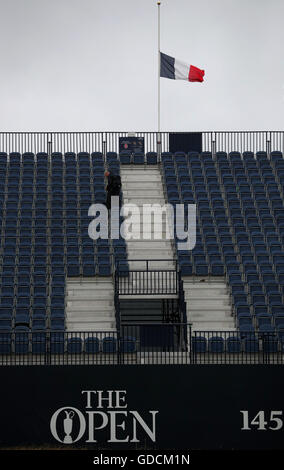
(208, 304)
(90, 304)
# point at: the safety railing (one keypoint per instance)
(141, 344)
(144, 278)
(133, 344)
(237, 347)
(212, 141)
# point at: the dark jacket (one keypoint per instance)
(114, 184)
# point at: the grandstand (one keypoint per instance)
(132, 339)
(141, 300)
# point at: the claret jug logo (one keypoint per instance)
(104, 417)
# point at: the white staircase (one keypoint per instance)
(90, 304)
(208, 304)
(143, 185)
(90, 301)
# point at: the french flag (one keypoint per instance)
(176, 70)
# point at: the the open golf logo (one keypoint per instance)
(105, 417)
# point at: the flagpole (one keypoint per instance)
(159, 90)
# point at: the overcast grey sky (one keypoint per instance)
(91, 65)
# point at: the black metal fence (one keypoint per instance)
(166, 343)
(140, 344)
(153, 141)
(237, 347)
(156, 282)
(142, 279)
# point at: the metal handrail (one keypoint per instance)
(144, 343)
(212, 141)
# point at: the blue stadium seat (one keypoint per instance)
(92, 345)
(125, 157)
(151, 158)
(199, 344)
(233, 344)
(269, 341)
(251, 345)
(5, 340)
(74, 345)
(109, 344)
(39, 342)
(57, 342)
(138, 158)
(22, 339)
(264, 320)
(216, 344)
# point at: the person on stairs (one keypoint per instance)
(113, 187)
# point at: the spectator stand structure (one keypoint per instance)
(54, 278)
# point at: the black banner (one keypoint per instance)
(185, 142)
(143, 407)
(132, 144)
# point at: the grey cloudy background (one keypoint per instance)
(91, 65)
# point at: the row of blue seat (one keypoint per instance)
(71, 156)
(268, 343)
(23, 342)
(240, 228)
(39, 201)
(55, 156)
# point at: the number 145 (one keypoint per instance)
(262, 421)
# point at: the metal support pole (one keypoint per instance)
(159, 90)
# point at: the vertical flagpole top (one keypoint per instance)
(158, 3)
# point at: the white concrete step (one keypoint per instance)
(199, 295)
(199, 282)
(203, 315)
(130, 185)
(142, 192)
(162, 265)
(90, 326)
(208, 305)
(194, 294)
(140, 201)
(157, 243)
(213, 326)
(90, 282)
(90, 304)
(166, 253)
(139, 177)
(135, 235)
(129, 169)
(212, 304)
(76, 294)
(91, 316)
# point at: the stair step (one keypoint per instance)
(85, 294)
(211, 304)
(140, 178)
(150, 254)
(208, 304)
(212, 326)
(142, 192)
(87, 283)
(195, 295)
(83, 317)
(137, 185)
(199, 316)
(90, 304)
(89, 326)
(223, 309)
